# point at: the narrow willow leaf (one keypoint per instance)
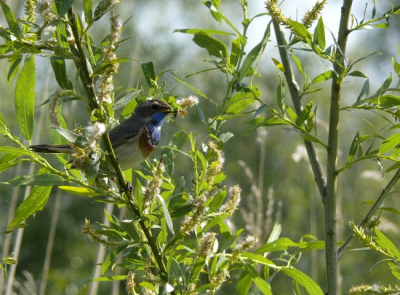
(63, 6)
(364, 91)
(25, 98)
(80, 191)
(238, 102)
(87, 8)
(208, 31)
(93, 167)
(235, 52)
(353, 148)
(168, 219)
(254, 54)
(10, 18)
(390, 143)
(38, 179)
(193, 88)
(14, 67)
(258, 258)
(17, 151)
(278, 65)
(262, 285)
(298, 63)
(300, 30)
(304, 280)
(197, 267)
(60, 71)
(386, 244)
(244, 283)
(217, 201)
(110, 279)
(319, 34)
(36, 200)
(323, 77)
(178, 192)
(111, 257)
(280, 94)
(213, 46)
(149, 72)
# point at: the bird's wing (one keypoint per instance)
(124, 132)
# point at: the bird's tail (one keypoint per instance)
(52, 148)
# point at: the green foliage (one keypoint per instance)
(175, 237)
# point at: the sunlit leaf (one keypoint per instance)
(36, 200)
(60, 71)
(304, 280)
(213, 46)
(323, 77)
(80, 191)
(319, 34)
(25, 98)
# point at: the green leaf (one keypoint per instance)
(168, 219)
(298, 63)
(319, 34)
(232, 239)
(258, 258)
(25, 98)
(111, 257)
(217, 201)
(36, 200)
(354, 147)
(17, 151)
(149, 72)
(238, 102)
(178, 192)
(262, 285)
(197, 267)
(364, 91)
(300, 30)
(110, 279)
(213, 46)
(80, 191)
(254, 54)
(14, 67)
(357, 74)
(280, 94)
(10, 18)
(244, 283)
(63, 6)
(278, 65)
(60, 71)
(194, 89)
(38, 179)
(304, 280)
(385, 101)
(208, 31)
(93, 167)
(386, 244)
(87, 8)
(235, 52)
(396, 67)
(323, 77)
(390, 143)
(279, 245)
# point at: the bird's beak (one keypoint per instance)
(166, 110)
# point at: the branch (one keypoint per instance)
(88, 85)
(385, 192)
(296, 99)
(333, 136)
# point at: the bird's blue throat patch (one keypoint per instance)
(154, 127)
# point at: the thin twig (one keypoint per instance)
(385, 192)
(291, 82)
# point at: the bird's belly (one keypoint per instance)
(135, 151)
(129, 154)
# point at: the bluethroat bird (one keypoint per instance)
(134, 140)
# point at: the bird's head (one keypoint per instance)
(154, 110)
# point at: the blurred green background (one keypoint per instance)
(269, 164)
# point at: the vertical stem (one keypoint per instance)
(291, 82)
(331, 188)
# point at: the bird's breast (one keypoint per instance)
(147, 142)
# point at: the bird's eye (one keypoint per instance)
(154, 106)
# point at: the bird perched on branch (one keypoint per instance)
(134, 140)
